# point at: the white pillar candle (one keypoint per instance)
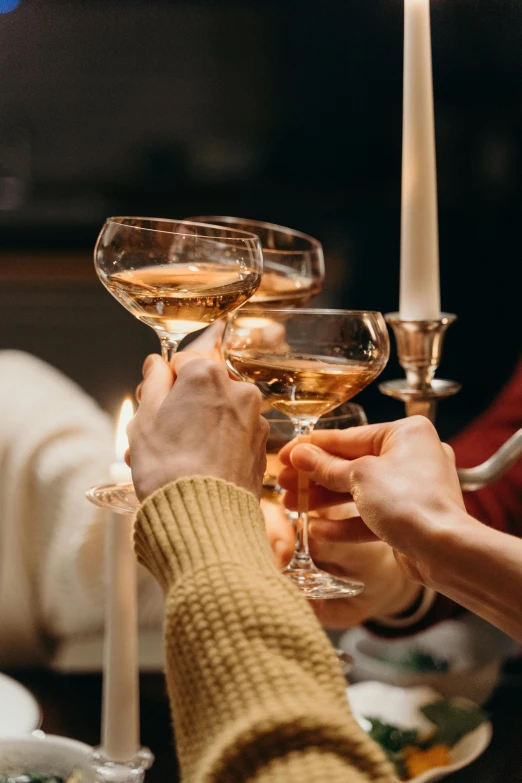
(420, 285)
(120, 711)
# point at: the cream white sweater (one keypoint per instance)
(55, 442)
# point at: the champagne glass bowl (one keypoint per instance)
(306, 363)
(176, 276)
(293, 262)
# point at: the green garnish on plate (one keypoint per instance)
(452, 721)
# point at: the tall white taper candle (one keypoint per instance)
(120, 712)
(420, 285)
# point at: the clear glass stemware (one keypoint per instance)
(282, 432)
(306, 363)
(293, 262)
(176, 276)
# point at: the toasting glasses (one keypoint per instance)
(177, 276)
(306, 363)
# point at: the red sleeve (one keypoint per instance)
(500, 504)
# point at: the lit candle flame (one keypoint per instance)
(122, 443)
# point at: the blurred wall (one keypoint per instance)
(286, 111)
(98, 86)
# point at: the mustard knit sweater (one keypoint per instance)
(255, 689)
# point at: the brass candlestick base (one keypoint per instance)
(419, 346)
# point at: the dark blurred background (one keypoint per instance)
(283, 111)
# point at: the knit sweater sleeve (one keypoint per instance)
(255, 690)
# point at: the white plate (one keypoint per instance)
(19, 711)
(474, 649)
(401, 707)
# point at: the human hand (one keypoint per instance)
(400, 475)
(279, 531)
(387, 590)
(195, 420)
(208, 343)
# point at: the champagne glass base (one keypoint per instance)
(315, 584)
(120, 498)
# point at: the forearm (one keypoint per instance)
(480, 569)
(255, 689)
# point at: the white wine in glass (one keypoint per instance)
(182, 299)
(176, 276)
(302, 385)
(293, 263)
(306, 363)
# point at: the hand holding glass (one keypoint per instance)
(176, 276)
(306, 363)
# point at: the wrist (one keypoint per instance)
(413, 613)
(444, 548)
(407, 597)
(398, 594)
(479, 568)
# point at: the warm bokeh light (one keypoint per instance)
(126, 414)
(252, 322)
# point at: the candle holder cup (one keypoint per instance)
(419, 346)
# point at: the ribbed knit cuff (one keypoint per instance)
(194, 522)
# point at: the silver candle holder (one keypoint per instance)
(419, 346)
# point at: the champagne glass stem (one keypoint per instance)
(303, 431)
(169, 346)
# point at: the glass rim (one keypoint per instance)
(117, 220)
(259, 311)
(316, 246)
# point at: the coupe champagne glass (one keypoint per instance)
(293, 262)
(178, 277)
(306, 363)
(282, 432)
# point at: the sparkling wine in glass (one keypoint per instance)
(178, 277)
(293, 263)
(307, 363)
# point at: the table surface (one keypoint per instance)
(71, 707)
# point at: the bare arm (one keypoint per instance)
(405, 485)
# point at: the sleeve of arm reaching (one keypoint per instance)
(255, 688)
